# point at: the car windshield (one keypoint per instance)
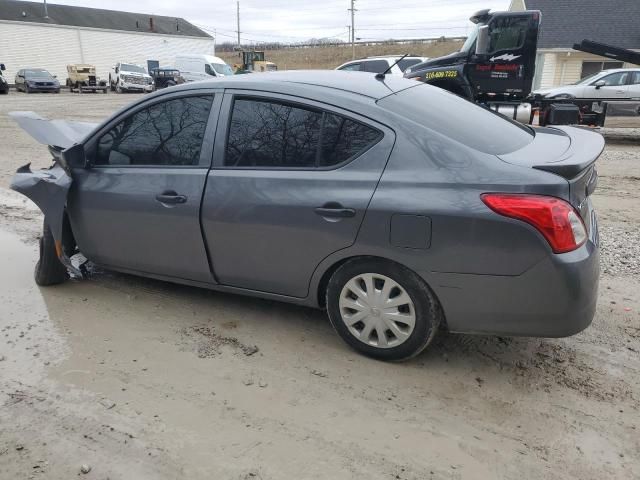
(131, 68)
(37, 74)
(587, 79)
(473, 34)
(222, 68)
(458, 119)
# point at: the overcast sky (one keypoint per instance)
(299, 20)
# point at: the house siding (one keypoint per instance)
(517, 6)
(54, 47)
(549, 65)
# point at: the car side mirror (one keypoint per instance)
(2, 67)
(55, 76)
(482, 41)
(599, 84)
(74, 157)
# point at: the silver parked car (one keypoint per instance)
(397, 206)
(620, 84)
(396, 64)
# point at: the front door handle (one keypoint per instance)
(171, 198)
(335, 210)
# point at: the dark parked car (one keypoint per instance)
(165, 77)
(36, 80)
(4, 85)
(397, 206)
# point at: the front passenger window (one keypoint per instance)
(168, 133)
(615, 79)
(352, 67)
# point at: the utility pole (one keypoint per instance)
(353, 30)
(46, 12)
(349, 36)
(238, 10)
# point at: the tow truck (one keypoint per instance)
(496, 65)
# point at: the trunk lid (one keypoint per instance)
(569, 152)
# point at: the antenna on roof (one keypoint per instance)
(380, 76)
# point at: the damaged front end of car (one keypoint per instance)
(48, 188)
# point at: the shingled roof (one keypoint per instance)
(20, 11)
(565, 22)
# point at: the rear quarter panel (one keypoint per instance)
(431, 176)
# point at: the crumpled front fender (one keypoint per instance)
(48, 189)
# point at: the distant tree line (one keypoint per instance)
(228, 46)
(232, 46)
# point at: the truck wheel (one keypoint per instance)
(49, 270)
(382, 309)
(118, 87)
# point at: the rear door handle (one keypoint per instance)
(335, 211)
(171, 198)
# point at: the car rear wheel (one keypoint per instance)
(382, 309)
(49, 270)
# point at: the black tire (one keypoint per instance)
(428, 313)
(27, 89)
(49, 270)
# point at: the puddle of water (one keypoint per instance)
(28, 340)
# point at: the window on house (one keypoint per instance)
(591, 68)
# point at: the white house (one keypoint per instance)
(566, 22)
(100, 37)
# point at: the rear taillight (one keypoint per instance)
(554, 218)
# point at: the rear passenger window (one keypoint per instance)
(278, 135)
(375, 66)
(343, 139)
(168, 133)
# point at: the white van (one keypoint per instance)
(201, 67)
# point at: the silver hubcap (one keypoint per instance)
(377, 310)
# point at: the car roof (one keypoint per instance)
(357, 83)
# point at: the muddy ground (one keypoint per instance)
(141, 379)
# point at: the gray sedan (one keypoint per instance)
(395, 205)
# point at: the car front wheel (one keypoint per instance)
(49, 270)
(382, 309)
